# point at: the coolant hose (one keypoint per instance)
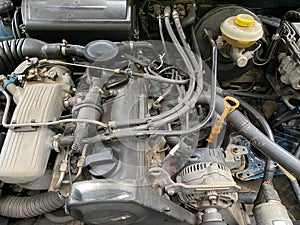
(26, 207)
(257, 138)
(13, 52)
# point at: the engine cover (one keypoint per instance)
(25, 152)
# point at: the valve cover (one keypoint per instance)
(26, 151)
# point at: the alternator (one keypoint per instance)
(207, 168)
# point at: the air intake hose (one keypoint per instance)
(13, 52)
(26, 207)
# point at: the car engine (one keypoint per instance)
(149, 112)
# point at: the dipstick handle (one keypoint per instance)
(228, 107)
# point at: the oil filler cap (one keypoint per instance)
(101, 51)
(101, 164)
(244, 20)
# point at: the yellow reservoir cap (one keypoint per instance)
(244, 20)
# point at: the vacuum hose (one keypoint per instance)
(26, 207)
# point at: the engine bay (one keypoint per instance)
(149, 112)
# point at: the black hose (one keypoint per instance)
(247, 197)
(15, 23)
(190, 18)
(253, 95)
(292, 16)
(296, 189)
(286, 119)
(26, 207)
(13, 52)
(294, 183)
(297, 151)
(270, 69)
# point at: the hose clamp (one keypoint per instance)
(63, 47)
(12, 79)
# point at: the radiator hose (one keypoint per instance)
(13, 52)
(26, 207)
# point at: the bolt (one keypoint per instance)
(213, 199)
(79, 95)
(235, 151)
(98, 89)
(166, 209)
(32, 71)
(240, 175)
(210, 210)
(171, 191)
(67, 95)
(3, 78)
(64, 41)
(29, 62)
(52, 74)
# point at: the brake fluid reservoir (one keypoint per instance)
(241, 31)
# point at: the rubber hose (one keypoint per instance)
(26, 207)
(297, 151)
(13, 52)
(285, 119)
(253, 95)
(190, 18)
(296, 189)
(247, 197)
